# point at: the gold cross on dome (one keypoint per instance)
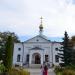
(41, 19)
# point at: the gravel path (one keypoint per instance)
(38, 71)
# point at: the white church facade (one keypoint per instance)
(36, 51)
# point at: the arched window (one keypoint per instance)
(19, 49)
(56, 49)
(56, 58)
(27, 58)
(46, 58)
(18, 57)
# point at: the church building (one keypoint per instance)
(36, 51)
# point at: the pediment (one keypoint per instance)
(38, 38)
(36, 48)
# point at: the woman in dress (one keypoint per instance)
(45, 70)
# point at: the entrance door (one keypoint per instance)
(37, 59)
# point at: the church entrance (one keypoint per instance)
(37, 58)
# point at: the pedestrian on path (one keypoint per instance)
(42, 69)
(45, 70)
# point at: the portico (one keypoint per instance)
(36, 56)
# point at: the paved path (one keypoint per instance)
(38, 71)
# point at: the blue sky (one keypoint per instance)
(24, 38)
(23, 17)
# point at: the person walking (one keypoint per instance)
(45, 70)
(42, 70)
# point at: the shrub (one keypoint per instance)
(2, 68)
(62, 64)
(68, 72)
(58, 69)
(52, 65)
(14, 71)
(59, 73)
(72, 67)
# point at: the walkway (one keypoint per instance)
(38, 71)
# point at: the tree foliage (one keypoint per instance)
(66, 50)
(3, 39)
(72, 40)
(8, 53)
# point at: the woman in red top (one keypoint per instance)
(45, 70)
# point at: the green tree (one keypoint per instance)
(66, 50)
(3, 39)
(72, 40)
(8, 53)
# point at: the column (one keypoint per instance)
(41, 58)
(30, 58)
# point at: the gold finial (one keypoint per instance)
(41, 26)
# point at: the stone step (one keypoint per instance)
(35, 65)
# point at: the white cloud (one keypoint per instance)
(22, 16)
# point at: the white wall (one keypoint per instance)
(45, 46)
(49, 49)
(55, 45)
(16, 52)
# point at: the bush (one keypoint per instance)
(68, 72)
(2, 68)
(72, 67)
(58, 69)
(59, 73)
(14, 71)
(62, 64)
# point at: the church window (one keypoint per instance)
(61, 47)
(19, 49)
(18, 57)
(46, 58)
(37, 40)
(56, 49)
(27, 58)
(56, 58)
